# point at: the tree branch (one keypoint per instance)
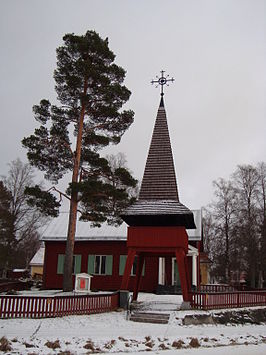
(53, 188)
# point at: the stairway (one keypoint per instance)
(149, 317)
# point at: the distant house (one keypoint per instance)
(36, 263)
(102, 253)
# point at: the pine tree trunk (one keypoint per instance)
(72, 222)
(68, 263)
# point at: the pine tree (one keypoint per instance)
(7, 235)
(89, 87)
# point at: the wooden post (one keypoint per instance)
(130, 260)
(138, 276)
(168, 270)
(180, 259)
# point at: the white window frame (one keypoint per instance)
(100, 265)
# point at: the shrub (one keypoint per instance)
(178, 344)
(53, 344)
(162, 346)
(110, 344)
(194, 343)
(5, 345)
(149, 344)
(89, 345)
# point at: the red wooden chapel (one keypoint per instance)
(157, 220)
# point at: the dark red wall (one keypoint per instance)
(100, 282)
(158, 237)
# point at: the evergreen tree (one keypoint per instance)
(89, 87)
(7, 235)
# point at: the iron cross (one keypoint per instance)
(162, 81)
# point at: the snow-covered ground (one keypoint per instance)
(112, 332)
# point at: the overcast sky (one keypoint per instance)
(215, 50)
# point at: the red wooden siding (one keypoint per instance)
(52, 280)
(158, 237)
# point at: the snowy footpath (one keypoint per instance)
(113, 333)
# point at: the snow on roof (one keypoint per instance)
(38, 258)
(57, 230)
(156, 207)
(195, 234)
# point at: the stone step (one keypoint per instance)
(153, 314)
(144, 317)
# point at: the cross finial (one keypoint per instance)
(162, 81)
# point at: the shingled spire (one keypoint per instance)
(159, 180)
(158, 203)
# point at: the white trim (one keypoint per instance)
(192, 251)
(161, 274)
(194, 269)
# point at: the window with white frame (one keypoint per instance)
(100, 264)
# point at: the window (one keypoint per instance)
(100, 264)
(122, 265)
(76, 266)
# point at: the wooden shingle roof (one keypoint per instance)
(158, 202)
(159, 180)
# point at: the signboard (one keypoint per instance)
(83, 282)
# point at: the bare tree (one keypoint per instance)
(235, 225)
(219, 224)
(246, 180)
(117, 162)
(261, 168)
(26, 220)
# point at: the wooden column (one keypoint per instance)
(183, 272)
(140, 263)
(129, 263)
(168, 270)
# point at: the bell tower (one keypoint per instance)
(157, 220)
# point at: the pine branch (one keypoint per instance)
(53, 188)
(64, 143)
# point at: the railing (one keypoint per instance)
(56, 306)
(235, 299)
(247, 288)
(215, 288)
